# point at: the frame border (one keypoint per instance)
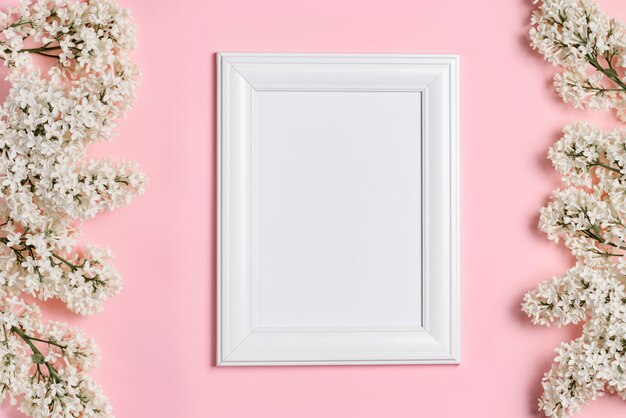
(241, 63)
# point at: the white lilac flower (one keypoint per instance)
(594, 363)
(590, 47)
(47, 122)
(588, 216)
(45, 365)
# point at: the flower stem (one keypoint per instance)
(64, 261)
(608, 167)
(29, 340)
(25, 247)
(608, 72)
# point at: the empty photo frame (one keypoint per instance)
(337, 209)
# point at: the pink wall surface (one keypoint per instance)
(158, 337)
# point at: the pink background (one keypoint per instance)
(158, 337)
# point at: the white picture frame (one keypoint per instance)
(324, 256)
